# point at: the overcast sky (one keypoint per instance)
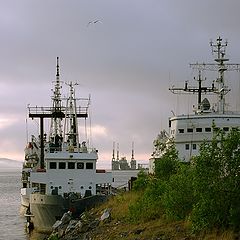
(126, 61)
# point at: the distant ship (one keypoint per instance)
(59, 172)
(121, 163)
(188, 131)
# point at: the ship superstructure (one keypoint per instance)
(59, 172)
(188, 131)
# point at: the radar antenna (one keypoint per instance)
(219, 49)
(199, 90)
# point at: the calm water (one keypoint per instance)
(12, 222)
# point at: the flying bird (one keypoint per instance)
(93, 22)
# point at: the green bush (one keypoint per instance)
(141, 182)
(216, 183)
(167, 165)
(178, 198)
(149, 205)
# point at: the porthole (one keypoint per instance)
(80, 165)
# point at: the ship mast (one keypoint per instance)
(71, 108)
(199, 90)
(56, 125)
(132, 158)
(219, 49)
(113, 154)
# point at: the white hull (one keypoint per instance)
(25, 197)
(45, 210)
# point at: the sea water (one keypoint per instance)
(12, 221)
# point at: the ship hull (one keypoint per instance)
(25, 197)
(47, 209)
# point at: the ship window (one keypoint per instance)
(89, 165)
(52, 165)
(62, 165)
(187, 146)
(181, 130)
(194, 146)
(198, 129)
(42, 188)
(80, 165)
(71, 165)
(190, 130)
(208, 129)
(226, 129)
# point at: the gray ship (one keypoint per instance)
(59, 172)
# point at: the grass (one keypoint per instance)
(121, 227)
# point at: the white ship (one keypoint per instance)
(59, 172)
(188, 131)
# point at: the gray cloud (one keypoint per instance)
(127, 61)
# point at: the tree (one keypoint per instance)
(178, 198)
(167, 165)
(216, 182)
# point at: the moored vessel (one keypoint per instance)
(59, 172)
(188, 131)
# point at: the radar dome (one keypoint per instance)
(205, 104)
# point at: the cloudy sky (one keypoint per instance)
(126, 61)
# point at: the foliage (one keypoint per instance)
(178, 198)
(141, 182)
(167, 164)
(53, 237)
(148, 206)
(216, 182)
(206, 191)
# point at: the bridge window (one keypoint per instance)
(181, 130)
(226, 129)
(216, 129)
(62, 165)
(80, 165)
(89, 165)
(190, 130)
(52, 165)
(208, 129)
(71, 165)
(198, 129)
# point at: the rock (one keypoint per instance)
(71, 226)
(60, 226)
(66, 217)
(106, 214)
(56, 224)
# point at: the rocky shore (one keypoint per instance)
(110, 221)
(82, 228)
